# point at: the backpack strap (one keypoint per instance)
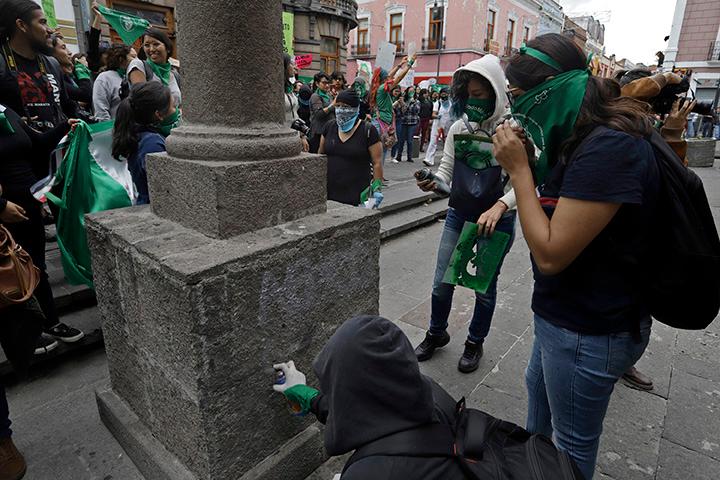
(427, 441)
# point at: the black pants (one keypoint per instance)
(31, 236)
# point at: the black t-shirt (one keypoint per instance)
(349, 169)
(426, 109)
(596, 294)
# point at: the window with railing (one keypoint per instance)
(329, 54)
(435, 27)
(396, 28)
(714, 52)
(526, 35)
(362, 43)
(490, 27)
(510, 37)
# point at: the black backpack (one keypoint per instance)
(679, 274)
(149, 75)
(682, 267)
(485, 448)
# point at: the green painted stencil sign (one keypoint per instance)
(288, 32)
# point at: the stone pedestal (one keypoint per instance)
(701, 152)
(239, 263)
(193, 325)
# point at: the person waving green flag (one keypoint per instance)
(128, 27)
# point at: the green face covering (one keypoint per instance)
(82, 72)
(162, 70)
(5, 125)
(169, 122)
(361, 89)
(323, 94)
(549, 111)
(411, 94)
(479, 110)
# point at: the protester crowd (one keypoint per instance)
(583, 232)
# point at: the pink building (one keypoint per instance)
(446, 33)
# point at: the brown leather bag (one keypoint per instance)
(18, 275)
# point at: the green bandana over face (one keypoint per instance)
(323, 94)
(548, 114)
(360, 88)
(169, 122)
(82, 72)
(411, 94)
(479, 110)
(162, 70)
(5, 125)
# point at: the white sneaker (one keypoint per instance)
(395, 161)
(429, 163)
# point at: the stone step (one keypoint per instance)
(410, 218)
(87, 320)
(68, 298)
(402, 195)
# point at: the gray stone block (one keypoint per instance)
(193, 325)
(226, 199)
(700, 152)
(677, 462)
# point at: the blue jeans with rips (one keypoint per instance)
(570, 378)
(442, 293)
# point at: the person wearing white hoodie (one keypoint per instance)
(476, 195)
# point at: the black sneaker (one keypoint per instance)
(425, 350)
(470, 359)
(44, 345)
(411, 160)
(65, 333)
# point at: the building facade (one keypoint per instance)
(695, 44)
(321, 29)
(68, 17)
(595, 34)
(552, 17)
(446, 34)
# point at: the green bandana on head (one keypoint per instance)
(479, 110)
(549, 111)
(162, 70)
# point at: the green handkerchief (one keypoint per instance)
(475, 261)
(475, 151)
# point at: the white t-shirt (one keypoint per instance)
(137, 64)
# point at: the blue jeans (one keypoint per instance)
(570, 378)
(405, 137)
(716, 133)
(442, 293)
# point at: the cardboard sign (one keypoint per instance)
(288, 19)
(303, 61)
(386, 56)
(409, 79)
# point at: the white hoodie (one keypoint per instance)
(489, 68)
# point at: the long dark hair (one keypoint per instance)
(157, 34)
(459, 90)
(287, 61)
(602, 104)
(317, 78)
(11, 11)
(116, 56)
(135, 112)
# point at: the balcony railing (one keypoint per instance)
(714, 52)
(432, 43)
(360, 50)
(400, 47)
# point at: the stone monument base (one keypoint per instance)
(701, 152)
(193, 325)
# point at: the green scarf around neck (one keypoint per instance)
(162, 70)
(548, 114)
(323, 94)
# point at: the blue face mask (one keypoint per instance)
(346, 117)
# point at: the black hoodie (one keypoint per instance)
(372, 387)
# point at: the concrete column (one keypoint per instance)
(232, 164)
(239, 263)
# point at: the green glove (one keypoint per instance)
(301, 397)
(5, 125)
(82, 72)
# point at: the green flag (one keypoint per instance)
(288, 19)
(48, 7)
(475, 261)
(129, 27)
(88, 180)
